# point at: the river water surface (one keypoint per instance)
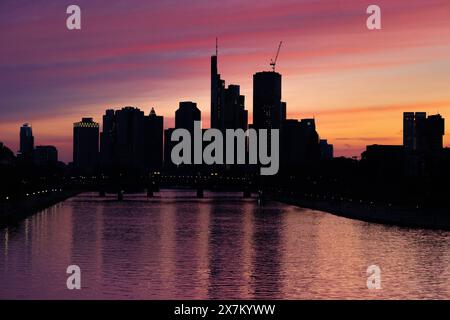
(175, 246)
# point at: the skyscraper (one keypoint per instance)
(128, 147)
(227, 104)
(234, 116)
(299, 143)
(186, 114)
(153, 141)
(420, 128)
(107, 139)
(217, 95)
(26, 142)
(408, 130)
(168, 146)
(421, 133)
(268, 109)
(422, 141)
(85, 145)
(131, 141)
(122, 139)
(435, 130)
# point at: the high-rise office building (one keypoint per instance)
(107, 139)
(168, 146)
(153, 141)
(326, 150)
(422, 141)
(85, 145)
(227, 104)
(45, 156)
(309, 141)
(235, 115)
(435, 130)
(131, 140)
(26, 142)
(421, 133)
(125, 139)
(186, 114)
(290, 144)
(408, 130)
(217, 95)
(420, 128)
(299, 143)
(269, 112)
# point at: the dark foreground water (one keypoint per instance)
(175, 246)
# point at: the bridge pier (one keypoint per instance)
(260, 197)
(120, 195)
(102, 194)
(200, 193)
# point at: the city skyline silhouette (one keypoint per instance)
(224, 157)
(355, 82)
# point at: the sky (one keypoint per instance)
(354, 81)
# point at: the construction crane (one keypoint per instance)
(273, 62)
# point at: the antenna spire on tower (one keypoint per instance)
(217, 47)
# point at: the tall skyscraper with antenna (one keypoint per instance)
(227, 104)
(217, 93)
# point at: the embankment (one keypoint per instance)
(13, 211)
(429, 218)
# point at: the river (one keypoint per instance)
(175, 246)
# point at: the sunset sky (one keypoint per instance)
(145, 53)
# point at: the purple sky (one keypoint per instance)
(146, 53)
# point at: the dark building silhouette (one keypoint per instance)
(86, 145)
(153, 141)
(227, 104)
(45, 156)
(269, 111)
(309, 141)
(235, 115)
(186, 114)
(107, 139)
(434, 133)
(326, 150)
(414, 127)
(409, 125)
(384, 160)
(168, 145)
(290, 144)
(26, 142)
(422, 141)
(299, 143)
(7, 157)
(130, 140)
(129, 134)
(422, 133)
(217, 95)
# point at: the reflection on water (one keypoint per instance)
(175, 246)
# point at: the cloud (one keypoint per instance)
(156, 53)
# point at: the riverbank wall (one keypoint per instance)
(388, 214)
(15, 210)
